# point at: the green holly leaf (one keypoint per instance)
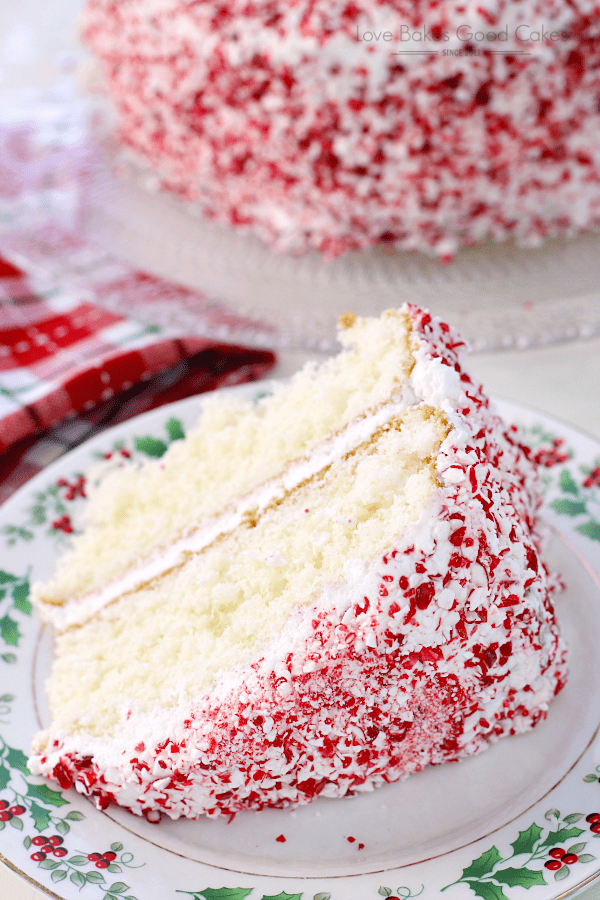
(16, 822)
(585, 857)
(40, 816)
(151, 446)
(46, 795)
(94, 877)
(556, 838)
(225, 893)
(574, 817)
(562, 873)
(78, 879)
(527, 840)
(7, 698)
(118, 887)
(113, 868)
(20, 594)
(5, 776)
(483, 865)
(385, 891)
(576, 848)
(2, 825)
(27, 842)
(9, 657)
(17, 760)
(519, 877)
(9, 630)
(487, 890)
(567, 483)
(283, 896)
(38, 514)
(63, 827)
(175, 430)
(590, 529)
(590, 778)
(58, 875)
(77, 860)
(75, 816)
(116, 847)
(5, 577)
(326, 896)
(568, 507)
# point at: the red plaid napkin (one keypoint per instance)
(65, 359)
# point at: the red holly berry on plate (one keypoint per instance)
(557, 852)
(553, 864)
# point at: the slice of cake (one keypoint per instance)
(312, 594)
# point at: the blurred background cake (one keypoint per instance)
(338, 125)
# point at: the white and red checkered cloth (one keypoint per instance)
(62, 355)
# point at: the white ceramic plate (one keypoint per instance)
(483, 827)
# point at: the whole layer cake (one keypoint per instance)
(313, 594)
(337, 125)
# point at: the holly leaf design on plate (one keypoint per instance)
(483, 865)
(283, 896)
(223, 893)
(556, 838)
(568, 507)
(519, 877)
(17, 760)
(487, 890)
(151, 446)
(590, 529)
(47, 795)
(175, 430)
(41, 816)
(5, 776)
(20, 595)
(527, 840)
(567, 483)
(6, 577)
(9, 630)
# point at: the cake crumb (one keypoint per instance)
(347, 320)
(281, 839)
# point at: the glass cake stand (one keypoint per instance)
(499, 296)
